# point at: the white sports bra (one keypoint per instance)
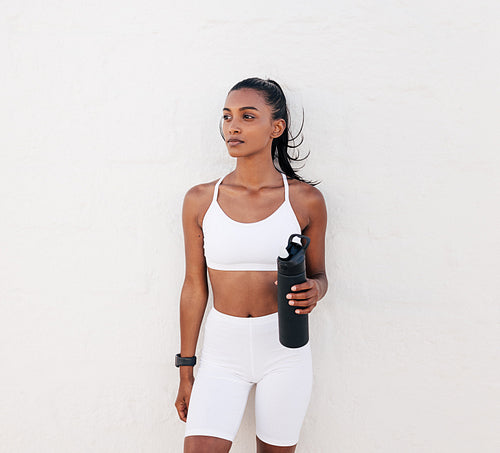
(238, 246)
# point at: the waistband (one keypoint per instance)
(240, 320)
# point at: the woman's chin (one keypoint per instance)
(240, 153)
(235, 153)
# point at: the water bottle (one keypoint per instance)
(293, 328)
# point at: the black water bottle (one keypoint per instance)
(293, 328)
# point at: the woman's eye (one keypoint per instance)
(225, 117)
(248, 116)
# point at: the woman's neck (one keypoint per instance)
(255, 174)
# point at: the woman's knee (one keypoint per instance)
(263, 447)
(206, 444)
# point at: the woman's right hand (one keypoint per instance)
(183, 396)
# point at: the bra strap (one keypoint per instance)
(216, 188)
(285, 183)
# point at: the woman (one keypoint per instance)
(236, 227)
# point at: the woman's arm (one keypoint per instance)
(309, 293)
(194, 293)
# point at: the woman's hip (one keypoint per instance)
(250, 346)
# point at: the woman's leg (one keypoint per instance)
(282, 398)
(216, 407)
(262, 447)
(221, 386)
(206, 444)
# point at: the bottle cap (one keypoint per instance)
(294, 263)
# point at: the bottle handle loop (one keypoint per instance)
(308, 240)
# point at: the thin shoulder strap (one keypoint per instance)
(216, 188)
(285, 183)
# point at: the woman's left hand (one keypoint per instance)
(304, 296)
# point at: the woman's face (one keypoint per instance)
(248, 126)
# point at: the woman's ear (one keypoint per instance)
(279, 127)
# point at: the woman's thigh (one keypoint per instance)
(217, 404)
(282, 397)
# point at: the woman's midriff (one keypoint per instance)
(244, 293)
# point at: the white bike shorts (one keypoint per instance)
(238, 353)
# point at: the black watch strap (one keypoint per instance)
(184, 361)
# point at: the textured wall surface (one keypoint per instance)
(109, 113)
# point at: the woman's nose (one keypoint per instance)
(234, 128)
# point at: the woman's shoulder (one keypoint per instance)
(203, 189)
(200, 190)
(305, 193)
(307, 202)
(199, 196)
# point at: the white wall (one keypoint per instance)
(109, 112)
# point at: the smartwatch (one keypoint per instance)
(184, 361)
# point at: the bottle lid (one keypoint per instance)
(294, 263)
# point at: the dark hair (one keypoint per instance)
(275, 98)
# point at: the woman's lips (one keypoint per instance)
(234, 142)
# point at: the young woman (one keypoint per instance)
(236, 227)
